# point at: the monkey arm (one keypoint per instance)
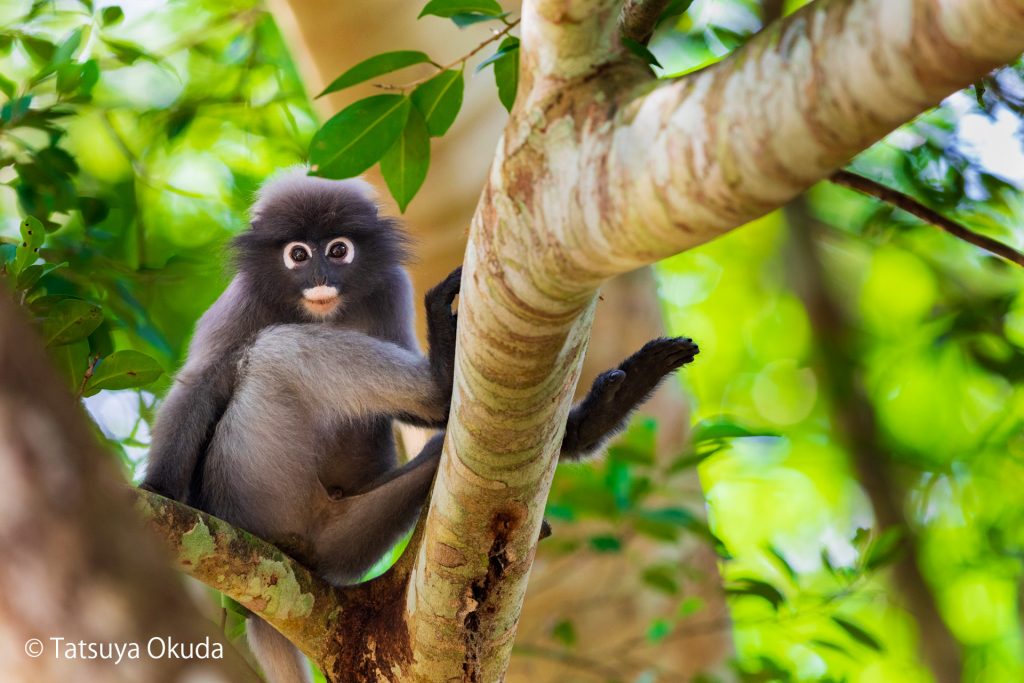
(615, 394)
(442, 326)
(185, 426)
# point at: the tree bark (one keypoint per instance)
(601, 170)
(76, 563)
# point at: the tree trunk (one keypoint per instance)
(327, 38)
(76, 563)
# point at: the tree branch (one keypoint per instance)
(639, 18)
(704, 154)
(916, 208)
(247, 569)
(333, 626)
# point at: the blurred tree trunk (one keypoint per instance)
(329, 37)
(857, 428)
(76, 562)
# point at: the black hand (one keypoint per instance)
(441, 330)
(615, 394)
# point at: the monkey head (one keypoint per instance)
(318, 247)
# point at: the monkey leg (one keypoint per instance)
(358, 529)
(615, 394)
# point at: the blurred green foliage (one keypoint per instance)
(132, 139)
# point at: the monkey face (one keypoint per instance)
(318, 248)
(321, 266)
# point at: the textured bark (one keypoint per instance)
(75, 563)
(601, 171)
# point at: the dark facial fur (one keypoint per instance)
(313, 214)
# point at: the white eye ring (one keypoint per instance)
(349, 254)
(289, 262)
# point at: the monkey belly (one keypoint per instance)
(355, 453)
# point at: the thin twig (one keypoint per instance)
(639, 18)
(509, 25)
(916, 208)
(88, 374)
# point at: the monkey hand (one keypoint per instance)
(616, 393)
(441, 328)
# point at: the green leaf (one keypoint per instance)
(638, 444)
(758, 589)
(723, 427)
(884, 549)
(90, 76)
(829, 645)
(377, 65)
(470, 18)
(68, 77)
(675, 516)
(15, 110)
(659, 630)
(450, 8)
(506, 72)
(783, 562)
(71, 361)
(564, 632)
(858, 633)
(123, 370)
(641, 51)
(67, 49)
(8, 87)
(32, 236)
(41, 51)
(672, 10)
(8, 252)
(358, 136)
(439, 100)
(404, 166)
(508, 45)
(31, 275)
(689, 606)
(605, 544)
(662, 578)
(111, 16)
(126, 52)
(70, 320)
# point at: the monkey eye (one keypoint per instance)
(295, 253)
(341, 249)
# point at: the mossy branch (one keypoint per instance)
(330, 625)
(249, 570)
